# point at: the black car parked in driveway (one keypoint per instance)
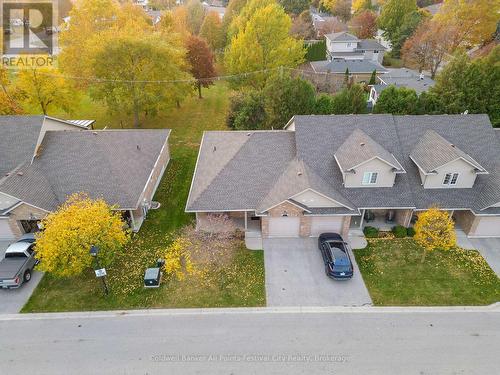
(336, 257)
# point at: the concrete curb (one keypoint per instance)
(494, 308)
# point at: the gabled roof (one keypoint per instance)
(254, 174)
(296, 178)
(241, 170)
(342, 36)
(18, 136)
(359, 148)
(433, 151)
(110, 164)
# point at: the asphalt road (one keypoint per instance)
(267, 341)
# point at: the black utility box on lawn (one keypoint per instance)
(152, 278)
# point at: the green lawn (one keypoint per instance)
(241, 285)
(395, 275)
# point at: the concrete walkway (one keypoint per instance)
(295, 276)
(490, 250)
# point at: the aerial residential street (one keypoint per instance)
(247, 341)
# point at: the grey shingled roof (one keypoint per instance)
(405, 78)
(359, 148)
(474, 135)
(433, 151)
(252, 174)
(370, 45)
(112, 164)
(251, 164)
(18, 136)
(296, 178)
(342, 36)
(340, 66)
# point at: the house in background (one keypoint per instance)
(346, 53)
(341, 173)
(403, 77)
(359, 70)
(43, 160)
(346, 46)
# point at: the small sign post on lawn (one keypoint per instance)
(99, 272)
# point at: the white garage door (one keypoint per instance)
(326, 224)
(284, 226)
(5, 232)
(488, 227)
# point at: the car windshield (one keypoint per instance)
(15, 255)
(340, 260)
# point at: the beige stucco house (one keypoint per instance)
(43, 160)
(341, 173)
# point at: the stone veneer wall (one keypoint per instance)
(292, 211)
(466, 221)
(403, 217)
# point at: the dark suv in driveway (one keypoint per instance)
(335, 253)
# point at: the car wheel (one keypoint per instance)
(27, 276)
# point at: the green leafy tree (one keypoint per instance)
(68, 234)
(201, 61)
(246, 111)
(397, 101)
(241, 19)
(264, 44)
(295, 6)
(429, 104)
(285, 97)
(133, 65)
(394, 16)
(324, 104)
(350, 100)
(409, 25)
(213, 32)
(471, 85)
(373, 78)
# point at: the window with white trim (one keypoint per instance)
(370, 178)
(450, 179)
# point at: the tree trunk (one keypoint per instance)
(136, 114)
(424, 254)
(199, 90)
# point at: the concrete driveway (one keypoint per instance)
(12, 300)
(490, 250)
(295, 276)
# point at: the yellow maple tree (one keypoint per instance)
(178, 259)
(435, 229)
(63, 246)
(476, 20)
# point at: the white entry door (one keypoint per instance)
(326, 225)
(5, 231)
(284, 226)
